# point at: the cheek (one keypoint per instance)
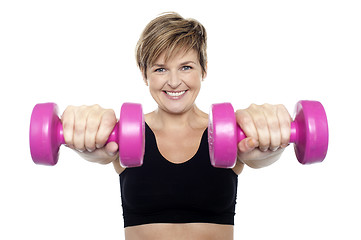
(155, 87)
(155, 83)
(195, 81)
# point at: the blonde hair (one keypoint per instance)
(170, 33)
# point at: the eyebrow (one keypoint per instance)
(158, 65)
(187, 62)
(162, 65)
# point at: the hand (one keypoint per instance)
(86, 130)
(268, 130)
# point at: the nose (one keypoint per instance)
(174, 80)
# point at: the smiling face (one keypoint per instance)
(174, 84)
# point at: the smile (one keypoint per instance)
(175, 94)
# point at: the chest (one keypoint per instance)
(178, 147)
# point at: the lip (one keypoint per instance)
(175, 97)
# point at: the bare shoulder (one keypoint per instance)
(201, 119)
(149, 117)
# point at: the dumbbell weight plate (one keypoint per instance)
(131, 135)
(312, 132)
(43, 136)
(222, 136)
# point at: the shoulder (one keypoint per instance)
(200, 120)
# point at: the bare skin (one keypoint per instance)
(188, 231)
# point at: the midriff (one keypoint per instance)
(187, 231)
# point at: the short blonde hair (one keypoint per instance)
(169, 33)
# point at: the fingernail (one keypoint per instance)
(90, 150)
(250, 143)
(274, 149)
(263, 149)
(98, 145)
(111, 154)
(284, 145)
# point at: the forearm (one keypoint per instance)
(98, 158)
(259, 159)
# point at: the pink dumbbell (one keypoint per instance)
(309, 133)
(46, 134)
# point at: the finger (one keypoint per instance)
(92, 126)
(247, 145)
(285, 120)
(107, 123)
(245, 121)
(270, 112)
(67, 120)
(261, 124)
(79, 130)
(111, 149)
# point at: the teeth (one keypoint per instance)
(175, 94)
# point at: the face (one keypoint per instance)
(174, 84)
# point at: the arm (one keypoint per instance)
(267, 128)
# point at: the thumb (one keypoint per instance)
(111, 148)
(247, 145)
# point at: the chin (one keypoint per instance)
(178, 109)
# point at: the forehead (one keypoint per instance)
(178, 56)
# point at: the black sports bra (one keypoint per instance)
(190, 192)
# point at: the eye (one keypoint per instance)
(160, 70)
(185, 68)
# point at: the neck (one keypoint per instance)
(188, 119)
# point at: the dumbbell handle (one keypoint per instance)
(113, 137)
(293, 138)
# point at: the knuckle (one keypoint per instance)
(96, 107)
(283, 110)
(82, 108)
(69, 108)
(253, 106)
(110, 112)
(269, 108)
(266, 105)
(280, 106)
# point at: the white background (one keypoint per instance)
(75, 52)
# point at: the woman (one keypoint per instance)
(177, 194)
